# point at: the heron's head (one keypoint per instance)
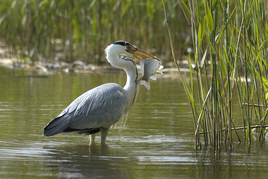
(126, 49)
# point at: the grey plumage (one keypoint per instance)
(98, 108)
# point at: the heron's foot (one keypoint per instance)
(92, 139)
(104, 145)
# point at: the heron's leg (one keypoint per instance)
(92, 137)
(104, 132)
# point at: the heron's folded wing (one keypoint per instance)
(99, 107)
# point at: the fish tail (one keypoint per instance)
(144, 83)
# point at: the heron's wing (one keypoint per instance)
(99, 107)
(99, 97)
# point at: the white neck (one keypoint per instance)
(131, 84)
(130, 68)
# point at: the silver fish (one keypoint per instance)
(148, 68)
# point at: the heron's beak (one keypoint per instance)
(136, 52)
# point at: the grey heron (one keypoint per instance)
(99, 108)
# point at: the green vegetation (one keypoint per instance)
(230, 45)
(45, 30)
(229, 41)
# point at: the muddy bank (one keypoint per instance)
(46, 66)
(77, 67)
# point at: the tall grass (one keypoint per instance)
(47, 30)
(230, 52)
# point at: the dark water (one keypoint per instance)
(149, 144)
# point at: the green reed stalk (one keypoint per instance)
(189, 94)
(227, 47)
(235, 56)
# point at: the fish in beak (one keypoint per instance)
(149, 68)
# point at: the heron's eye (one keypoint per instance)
(130, 48)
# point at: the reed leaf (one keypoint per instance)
(209, 19)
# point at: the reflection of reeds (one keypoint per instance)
(229, 39)
(80, 30)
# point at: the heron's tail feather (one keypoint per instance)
(57, 125)
(144, 83)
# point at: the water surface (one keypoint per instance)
(149, 144)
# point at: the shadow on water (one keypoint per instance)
(163, 160)
(86, 161)
(125, 156)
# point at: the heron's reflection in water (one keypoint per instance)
(87, 162)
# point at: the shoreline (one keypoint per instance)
(76, 67)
